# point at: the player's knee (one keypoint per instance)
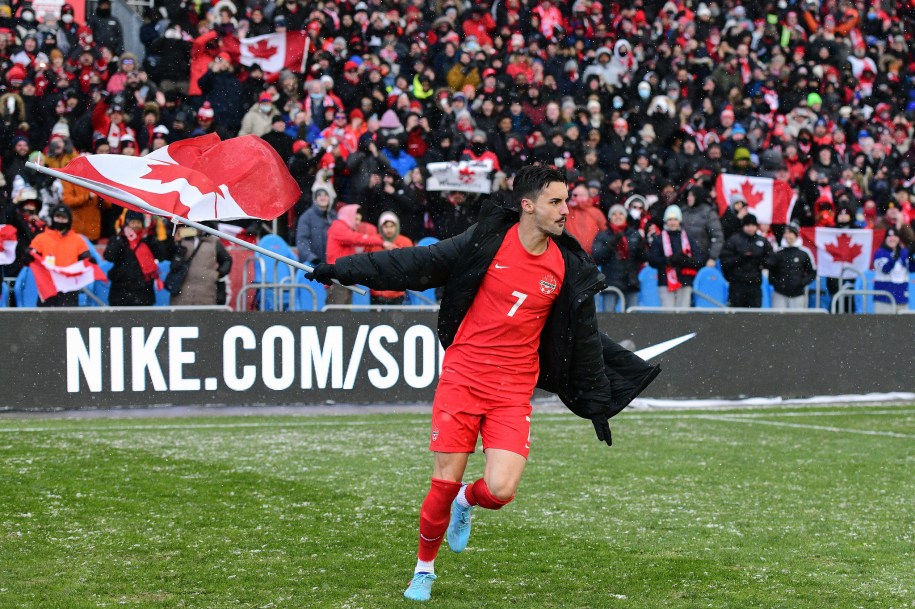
(502, 493)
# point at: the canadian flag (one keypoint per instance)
(839, 249)
(202, 178)
(273, 52)
(771, 201)
(51, 279)
(8, 240)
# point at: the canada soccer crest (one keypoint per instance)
(548, 284)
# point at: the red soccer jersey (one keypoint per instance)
(495, 349)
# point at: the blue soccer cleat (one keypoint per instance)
(459, 527)
(420, 588)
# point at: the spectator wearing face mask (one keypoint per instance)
(174, 53)
(69, 26)
(135, 273)
(402, 162)
(61, 246)
(106, 28)
(259, 117)
(478, 150)
(208, 262)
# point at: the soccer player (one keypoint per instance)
(517, 312)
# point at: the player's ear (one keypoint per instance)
(527, 206)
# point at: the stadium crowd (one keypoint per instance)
(642, 103)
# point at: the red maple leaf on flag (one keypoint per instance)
(752, 197)
(263, 50)
(843, 250)
(172, 172)
(465, 175)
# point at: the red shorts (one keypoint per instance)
(461, 414)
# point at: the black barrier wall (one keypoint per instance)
(123, 358)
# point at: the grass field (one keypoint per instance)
(788, 507)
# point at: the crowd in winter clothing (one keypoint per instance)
(643, 104)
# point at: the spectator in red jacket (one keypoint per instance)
(585, 219)
(344, 239)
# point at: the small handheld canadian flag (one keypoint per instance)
(771, 201)
(8, 241)
(51, 279)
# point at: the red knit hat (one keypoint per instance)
(15, 75)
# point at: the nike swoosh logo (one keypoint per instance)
(499, 266)
(655, 350)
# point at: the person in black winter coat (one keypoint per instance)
(485, 304)
(106, 29)
(620, 252)
(733, 216)
(742, 261)
(790, 271)
(174, 57)
(135, 272)
(225, 94)
(701, 223)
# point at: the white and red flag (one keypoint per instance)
(462, 176)
(202, 178)
(51, 279)
(274, 52)
(839, 249)
(771, 201)
(8, 241)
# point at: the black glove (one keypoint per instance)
(602, 427)
(681, 260)
(324, 273)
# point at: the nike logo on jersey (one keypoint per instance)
(499, 266)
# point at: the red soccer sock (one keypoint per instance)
(434, 516)
(478, 494)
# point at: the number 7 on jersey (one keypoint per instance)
(520, 296)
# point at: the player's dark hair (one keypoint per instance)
(532, 179)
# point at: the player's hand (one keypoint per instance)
(602, 428)
(324, 273)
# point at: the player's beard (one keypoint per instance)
(550, 226)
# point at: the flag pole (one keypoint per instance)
(131, 199)
(305, 54)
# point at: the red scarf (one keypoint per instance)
(144, 255)
(673, 282)
(622, 246)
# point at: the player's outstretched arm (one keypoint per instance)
(409, 268)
